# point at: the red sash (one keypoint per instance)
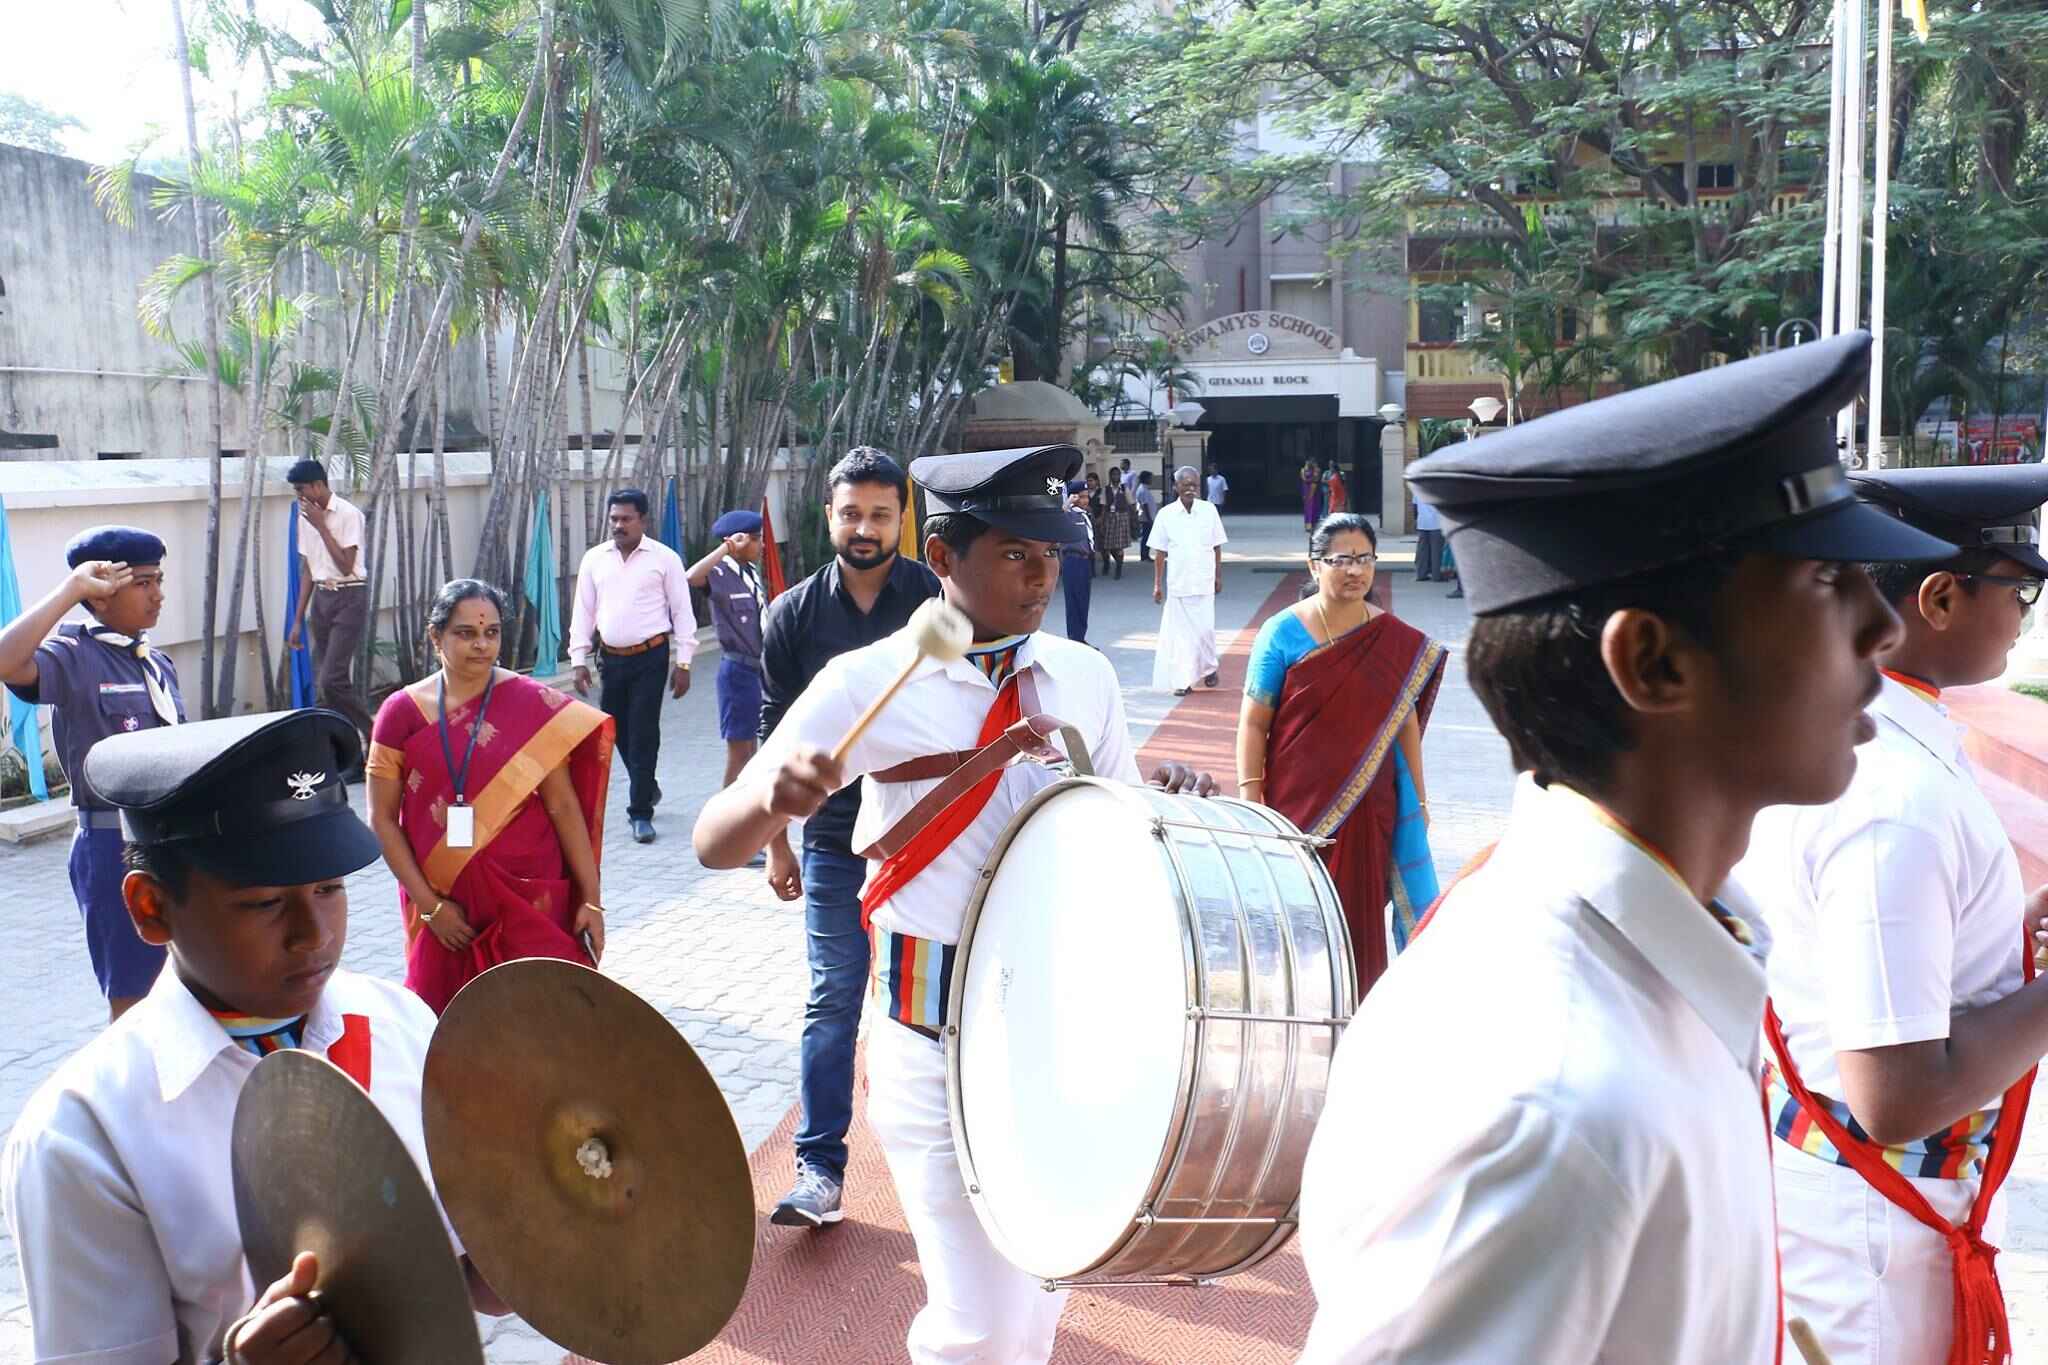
(900, 867)
(351, 1051)
(1982, 1335)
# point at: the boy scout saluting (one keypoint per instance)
(117, 1178)
(1908, 1039)
(103, 678)
(1670, 639)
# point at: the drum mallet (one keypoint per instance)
(1808, 1344)
(937, 630)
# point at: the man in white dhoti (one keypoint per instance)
(1187, 572)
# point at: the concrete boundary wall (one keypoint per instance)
(48, 502)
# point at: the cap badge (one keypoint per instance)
(302, 784)
(1055, 487)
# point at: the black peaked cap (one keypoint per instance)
(1979, 507)
(254, 800)
(1625, 486)
(1022, 492)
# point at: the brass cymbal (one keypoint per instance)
(589, 1162)
(317, 1168)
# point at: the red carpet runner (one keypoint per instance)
(845, 1296)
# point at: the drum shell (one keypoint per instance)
(1262, 933)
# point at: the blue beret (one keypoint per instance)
(737, 523)
(1077, 485)
(122, 544)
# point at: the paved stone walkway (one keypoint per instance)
(724, 960)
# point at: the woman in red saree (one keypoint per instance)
(1336, 699)
(487, 790)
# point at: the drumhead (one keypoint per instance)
(1073, 1030)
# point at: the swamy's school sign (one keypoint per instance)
(1261, 335)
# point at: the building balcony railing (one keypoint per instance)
(1429, 363)
(1440, 364)
(1470, 220)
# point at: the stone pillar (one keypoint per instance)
(1397, 516)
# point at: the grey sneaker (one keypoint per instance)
(811, 1203)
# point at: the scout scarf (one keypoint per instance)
(350, 1052)
(138, 647)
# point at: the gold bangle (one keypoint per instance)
(428, 918)
(593, 905)
(1259, 777)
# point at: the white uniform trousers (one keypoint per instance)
(1186, 652)
(1876, 1285)
(978, 1307)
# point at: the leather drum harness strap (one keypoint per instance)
(1982, 1335)
(1014, 729)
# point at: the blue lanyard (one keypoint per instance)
(476, 728)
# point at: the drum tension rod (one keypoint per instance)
(1148, 1219)
(1169, 1281)
(1160, 824)
(1196, 1012)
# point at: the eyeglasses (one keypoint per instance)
(1348, 561)
(2028, 590)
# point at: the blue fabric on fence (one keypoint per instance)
(300, 661)
(672, 518)
(543, 593)
(23, 722)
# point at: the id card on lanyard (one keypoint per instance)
(462, 815)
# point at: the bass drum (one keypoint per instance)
(1145, 1002)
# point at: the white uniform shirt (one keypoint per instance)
(1544, 1136)
(1218, 486)
(1893, 907)
(1189, 536)
(119, 1181)
(939, 710)
(345, 524)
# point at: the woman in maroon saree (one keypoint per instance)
(1336, 699)
(493, 820)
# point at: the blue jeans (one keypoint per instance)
(839, 973)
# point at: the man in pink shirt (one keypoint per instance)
(633, 601)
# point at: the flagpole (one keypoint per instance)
(1879, 223)
(1855, 108)
(1831, 245)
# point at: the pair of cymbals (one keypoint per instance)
(581, 1148)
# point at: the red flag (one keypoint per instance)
(771, 557)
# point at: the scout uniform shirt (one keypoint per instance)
(96, 690)
(118, 1178)
(1543, 1140)
(737, 603)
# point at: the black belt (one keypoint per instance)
(744, 661)
(89, 818)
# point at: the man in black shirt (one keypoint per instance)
(866, 592)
